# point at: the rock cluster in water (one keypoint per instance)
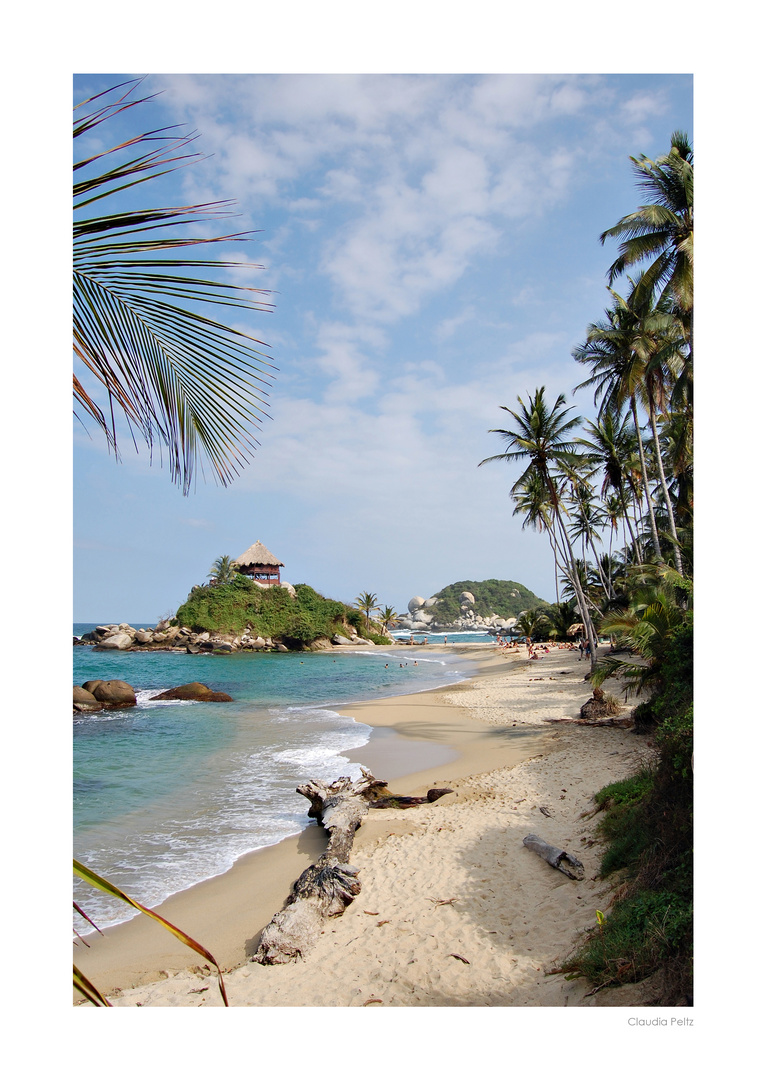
(419, 617)
(97, 694)
(173, 639)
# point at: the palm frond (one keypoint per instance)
(144, 325)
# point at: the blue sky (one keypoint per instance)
(432, 244)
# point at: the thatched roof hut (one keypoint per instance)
(259, 563)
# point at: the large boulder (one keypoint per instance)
(143, 637)
(116, 641)
(81, 696)
(91, 685)
(115, 692)
(416, 603)
(194, 691)
(467, 597)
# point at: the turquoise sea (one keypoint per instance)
(167, 794)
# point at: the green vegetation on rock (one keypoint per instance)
(491, 597)
(270, 613)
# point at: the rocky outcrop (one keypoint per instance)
(99, 694)
(165, 637)
(194, 691)
(421, 616)
(352, 639)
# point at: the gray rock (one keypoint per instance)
(143, 637)
(415, 603)
(339, 639)
(116, 641)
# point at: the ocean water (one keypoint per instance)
(167, 794)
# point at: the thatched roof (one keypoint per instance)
(576, 628)
(258, 555)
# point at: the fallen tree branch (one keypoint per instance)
(325, 888)
(611, 721)
(555, 857)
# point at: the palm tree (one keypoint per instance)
(143, 313)
(367, 602)
(661, 230)
(561, 617)
(222, 571)
(646, 626)
(543, 438)
(610, 446)
(534, 624)
(617, 349)
(388, 616)
(532, 499)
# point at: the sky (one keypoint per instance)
(432, 246)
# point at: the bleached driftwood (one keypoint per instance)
(555, 857)
(326, 887)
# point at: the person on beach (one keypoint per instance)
(588, 650)
(580, 648)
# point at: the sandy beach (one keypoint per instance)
(454, 910)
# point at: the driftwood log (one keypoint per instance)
(326, 887)
(555, 857)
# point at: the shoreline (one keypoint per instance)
(227, 913)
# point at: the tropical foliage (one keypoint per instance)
(367, 603)
(222, 571)
(614, 496)
(149, 346)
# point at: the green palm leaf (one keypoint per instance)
(145, 322)
(98, 882)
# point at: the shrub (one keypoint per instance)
(273, 612)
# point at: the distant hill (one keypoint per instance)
(491, 597)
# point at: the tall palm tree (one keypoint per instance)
(588, 520)
(662, 229)
(532, 499)
(222, 571)
(543, 438)
(610, 446)
(617, 348)
(145, 309)
(388, 616)
(367, 602)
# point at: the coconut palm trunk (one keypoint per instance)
(664, 488)
(646, 483)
